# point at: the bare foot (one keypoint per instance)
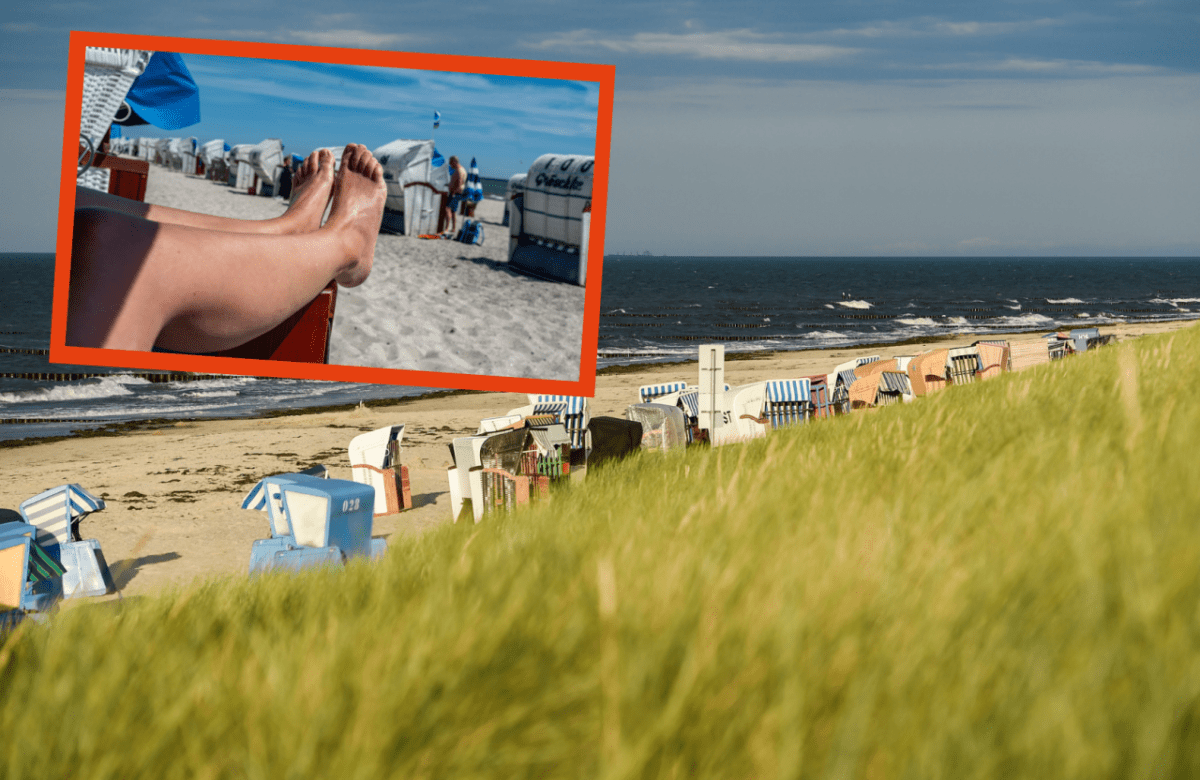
(359, 194)
(312, 187)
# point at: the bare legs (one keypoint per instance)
(137, 282)
(312, 186)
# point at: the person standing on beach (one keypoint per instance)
(458, 185)
(146, 276)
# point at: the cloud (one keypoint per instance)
(727, 45)
(1063, 67)
(930, 26)
(363, 39)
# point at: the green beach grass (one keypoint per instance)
(1000, 580)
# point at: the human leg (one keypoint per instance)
(312, 183)
(136, 283)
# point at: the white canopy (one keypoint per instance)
(414, 185)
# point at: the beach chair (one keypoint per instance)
(962, 364)
(329, 521)
(107, 76)
(820, 404)
(742, 415)
(664, 427)
(550, 220)
(569, 410)
(1083, 338)
(788, 402)
(518, 466)
(927, 372)
(514, 187)
(267, 497)
(56, 515)
(614, 438)
(30, 577)
(415, 186)
(375, 461)
(663, 393)
(993, 358)
(464, 453)
(875, 366)
(1025, 354)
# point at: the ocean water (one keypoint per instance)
(661, 308)
(35, 408)
(653, 309)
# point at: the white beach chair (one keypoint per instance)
(375, 461)
(663, 427)
(550, 220)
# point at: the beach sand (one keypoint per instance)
(174, 492)
(428, 305)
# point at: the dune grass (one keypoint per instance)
(1001, 580)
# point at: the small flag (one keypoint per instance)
(437, 119)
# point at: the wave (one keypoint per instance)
(105, 388)
(1063, 300)
(925, 321)
(1175, 301)
(854, 304)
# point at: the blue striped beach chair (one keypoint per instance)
(56, 514)
(894, 387)
(788, 402)
(30, 578)
(571, 411)
(652, 393)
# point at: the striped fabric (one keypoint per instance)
(571, 411)
(690, 402)
(54, 511)
(474, 186)
(846, 378)
(894, 382)
(267, 496)
(649, 392)
(41, 565)
(787, 401)
(862, 361)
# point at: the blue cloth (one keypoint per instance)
(164, 95)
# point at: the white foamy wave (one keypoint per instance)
(105, 388)
(1030, 320)
(1063, 300)
(855, 304)
(825, 335)
(1081, 314)
(1014, 308)
(1175, 301)
(926, 321)
(829, 306)
(957, 320)
(228, 382)
(212, 394)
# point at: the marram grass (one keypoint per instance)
(1001, 580)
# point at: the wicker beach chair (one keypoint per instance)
(569, 410)
(56, 515)
(107, 76)
(993, 358)
(927, 372)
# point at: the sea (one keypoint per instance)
(653, 309)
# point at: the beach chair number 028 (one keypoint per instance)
(350, 505)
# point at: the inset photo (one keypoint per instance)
(343, 214)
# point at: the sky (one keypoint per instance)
(505, 122)
(845, 128)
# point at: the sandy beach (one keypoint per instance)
(428, 305)
(174, 492)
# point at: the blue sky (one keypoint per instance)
(860, 127)
(506, 122)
